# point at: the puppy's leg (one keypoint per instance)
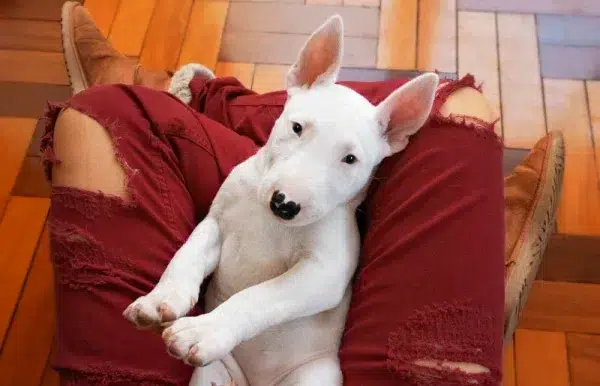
(224, 372)
(323, 371)
(179, 286)
(315, 284)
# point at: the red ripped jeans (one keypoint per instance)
(430, 285)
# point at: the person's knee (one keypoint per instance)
(469, 102)
(87, 155)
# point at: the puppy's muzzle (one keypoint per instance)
(280, 208)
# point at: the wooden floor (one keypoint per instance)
(538, 60)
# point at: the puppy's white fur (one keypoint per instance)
(280, 290)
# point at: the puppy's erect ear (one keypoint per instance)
(405, 110)
(320, 59)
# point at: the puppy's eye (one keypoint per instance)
(297, 128)
(349, 159)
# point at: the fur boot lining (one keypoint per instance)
(180, 82)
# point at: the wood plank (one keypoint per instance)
(282, 48)
(569, 62)
(584, 359)
(378, 75)
(478, 55)
(130, 25)
(361, 3)
(29, 99)
(522, 105)
(165, 34)
(566, 111)
(509, 364)
(437, 36)
(541, 358)
(397, 48)
(324, 2)
(244, 72)
(32, 10)
(51, 377)
(103, 12)
(299, 19)
(558, 306)
(33, 35)
(571, 258)
(31, 181)
(269, 77)
(266, 1)
(511, 158)
(33, 66)
(566, 7)
(593, 93)
(32, 329)
(569, 30)
(20, 231)
(205, 30)
(17, 133)
(36, 140)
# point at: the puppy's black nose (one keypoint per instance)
(284, 210)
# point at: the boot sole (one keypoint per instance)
(541, 221)
(75, 71)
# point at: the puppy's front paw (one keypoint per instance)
(199, 340)
(159, 306)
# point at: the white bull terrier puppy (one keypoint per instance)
(281, 239)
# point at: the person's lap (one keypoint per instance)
(429, 288)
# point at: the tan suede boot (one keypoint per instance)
(532, 192)
(92, 60)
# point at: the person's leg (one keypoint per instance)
(531, 196)
(428, 302)
(133, 171)
(227, 101)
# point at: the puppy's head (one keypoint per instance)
(327, 142)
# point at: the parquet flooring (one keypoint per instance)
(539, 62)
